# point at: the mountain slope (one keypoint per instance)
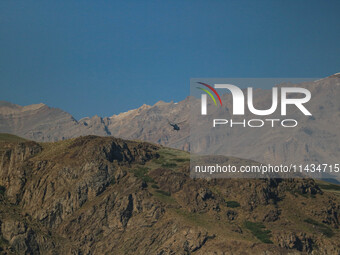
(96, 195)
(42, 123)
(316, 138)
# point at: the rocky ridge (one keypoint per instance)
(96, 195)
(315, 139)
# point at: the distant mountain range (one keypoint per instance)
(42, 123)
(315, 138)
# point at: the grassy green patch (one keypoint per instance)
(195, 218)
(164, 197)
(320, 227)
(164, 193)
(330, 186)
(142, 173)
(167, 152)
(233, 204)
(259, 231)
(155, 186)
(169, 165)
(170, 158)
(10, 138)
(181, 159)
(160, 160)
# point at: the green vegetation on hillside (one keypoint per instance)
(164, 196)
(329, 186)
(171, 158)
(163, 192)
(233, 204)
(182, 159)
(259, 231)
(155, 186)
(169, 165)
(320, 227)
(142, 173)
(11, 138)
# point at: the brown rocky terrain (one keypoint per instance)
(103, 195)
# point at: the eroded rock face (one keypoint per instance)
(20, 237)
(14, 168)
(299, 241)
(91, 164)
(95, 195)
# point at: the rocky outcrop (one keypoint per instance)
(14, 168)
(96, 195)
(20, 237)
(298, 241)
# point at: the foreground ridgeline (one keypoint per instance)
(102, 195)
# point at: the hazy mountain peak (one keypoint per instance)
(96, 117)
(130, 113)
(33, 107)
(161, 102)
(336, 75)
(9, 108)
(8, 104)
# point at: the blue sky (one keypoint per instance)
(106, 57)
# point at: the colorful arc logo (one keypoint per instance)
(209, 93)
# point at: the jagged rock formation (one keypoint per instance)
(150, 123)
(96, 195)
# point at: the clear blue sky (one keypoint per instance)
(105, 57)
